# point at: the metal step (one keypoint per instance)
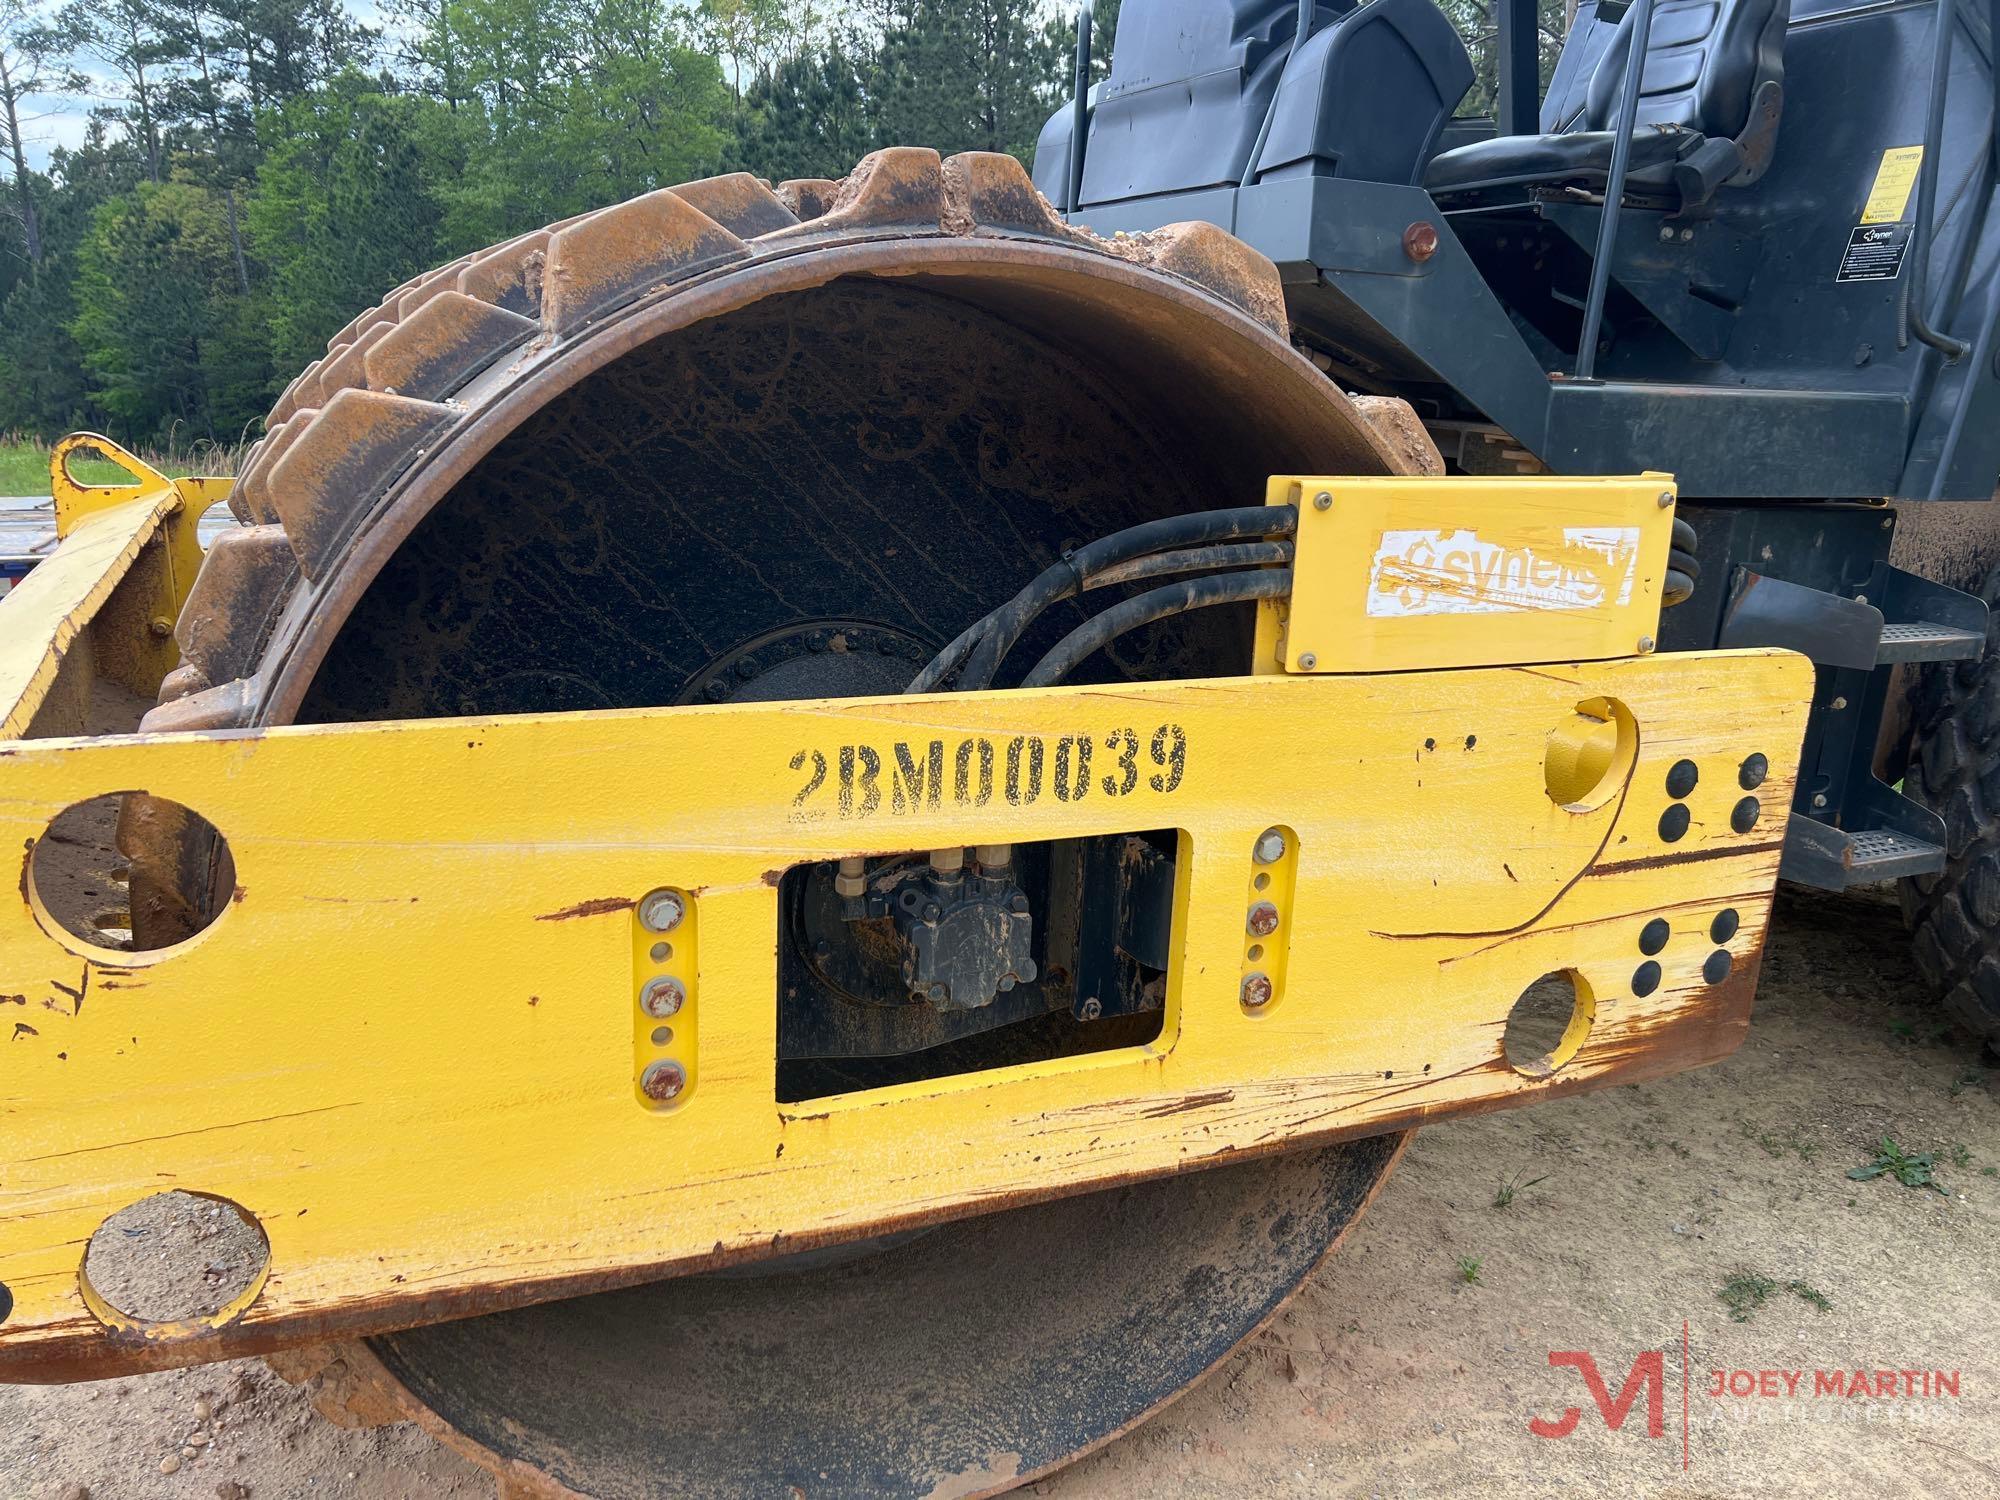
(1818, 854)
(1882, 855)
(1925, 640)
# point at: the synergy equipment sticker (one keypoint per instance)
(1461, 573)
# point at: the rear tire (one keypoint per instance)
(1954, 916)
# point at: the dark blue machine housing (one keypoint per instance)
(1750, 340)
(1765, 260)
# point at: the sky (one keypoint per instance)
(65, 118)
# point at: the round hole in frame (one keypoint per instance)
(176, 1259)
(1589, 754)
(1548, 1023)
(173, 867)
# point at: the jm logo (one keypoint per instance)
(1648, 1374)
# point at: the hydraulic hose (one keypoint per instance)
(982, 645)
(1154, 604)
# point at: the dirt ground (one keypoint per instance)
(1413, 1363)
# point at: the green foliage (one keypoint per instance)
(340, 211)
(1468, 1269)
(167, 339)
(258, 171)
(1911, 1168)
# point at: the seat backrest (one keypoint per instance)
(1704, 62)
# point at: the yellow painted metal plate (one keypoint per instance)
(1405, 573)
(407, 1045)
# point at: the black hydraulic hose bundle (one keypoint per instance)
(1149, 550)
(1682, 566)
(1253, 538)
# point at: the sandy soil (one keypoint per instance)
(1392, 1374)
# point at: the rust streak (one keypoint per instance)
(1187, 1102)
(595, 908)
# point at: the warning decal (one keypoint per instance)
(1889, 200)
(1874, 253)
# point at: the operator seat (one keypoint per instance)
(1709, 100)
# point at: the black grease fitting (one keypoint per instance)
(1723, 928)
(1653, 936)
(1716, 969)
(1743, 816)
(1674, 823)
(1750, 775)
(1645, 979)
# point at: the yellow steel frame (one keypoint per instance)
(105, 602)
(410, 1045)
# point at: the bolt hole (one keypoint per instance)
(662, 1035)
(662, 952)
(1255, 952)
(182, 875)
(1548, 1023)
(1262, 882)
(1589, 754)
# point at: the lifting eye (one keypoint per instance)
(1589, 754)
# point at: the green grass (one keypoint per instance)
(1746, 1291)
(1468, 1270)
(24, 465)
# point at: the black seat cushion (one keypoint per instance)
(1705, 61)
(1582, 156)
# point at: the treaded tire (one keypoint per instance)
(1954, 916)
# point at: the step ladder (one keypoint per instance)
(1848, 827)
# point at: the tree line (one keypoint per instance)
(256, 171)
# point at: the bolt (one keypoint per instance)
(1256, 990)
(932, 911)
(718, 690)
(1263, 920)
(1819, 799)
(1860, 598)
(1091, 1009)
(1007, 982)
(1307, 661)
(662, 911)
(1645, 644)
(947, 861)
(852, 881)
(747, 668)
(1420, 241)
(1887, 522)
(993, 856)
(1270, 847)
(1019, 905)
(663, 1081)
(937, 992)
(1687, 234)
(662, 996)
(1838, 704)
(1323, 501)
(1666, 499)
(822, 949)
(1666, 231)
(160, 627)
